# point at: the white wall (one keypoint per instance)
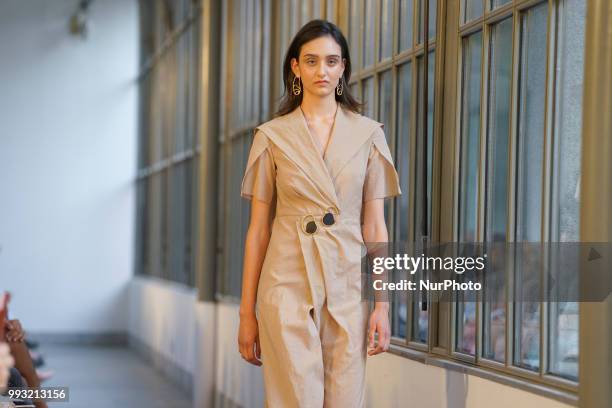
(68, 134)
(162, 316)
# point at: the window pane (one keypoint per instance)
(398, 326)
(470, 137)
(429, 154)
(564, 316)
(568, 123)
(354, 32)
(423, 157)
(498, 127)
(404, 91)
(403, 146)
(178, 223)
(472, 9)
(432, 19)
(355, 90)
(498, 3)
(368, 39)
(532, 89)
(468, 176)
(420, 312)
(405, 24)
(385, 102)
(386, 28)
(368, 97)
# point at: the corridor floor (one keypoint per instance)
(103, 376)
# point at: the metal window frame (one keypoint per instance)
(489, 18)
(392, 64)
(158, 155)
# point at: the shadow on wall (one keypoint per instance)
(456, 389)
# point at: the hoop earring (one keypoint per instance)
(296, 88)
(339, 87)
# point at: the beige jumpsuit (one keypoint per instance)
(312, 321)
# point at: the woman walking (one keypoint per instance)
(317, 175)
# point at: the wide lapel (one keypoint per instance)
(290, 133)
(350, 132)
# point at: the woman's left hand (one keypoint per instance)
(379, 323)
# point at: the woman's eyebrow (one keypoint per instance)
(327, 56)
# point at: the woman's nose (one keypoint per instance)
(321, 69)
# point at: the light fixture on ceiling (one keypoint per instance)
(79, 24)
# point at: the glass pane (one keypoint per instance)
(498, 3)
(532, 88)
(532, 95)
(470, 137)
(568, 119)
(465, 324)
(424, 157)
(468, 178)
(403, 146)
(498, 127)
(354, 32)
(368, 38)
(564, 316)
(494, 309)
(386, 29)
(472, 9)
(420, 312)
(432, 19)
(385, 102)
(368, 97)
(404, 90)
(355, 90)
(429, 154)
(405, 24)
(398, 325)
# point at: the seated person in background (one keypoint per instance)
(15, 336)
(6, 362)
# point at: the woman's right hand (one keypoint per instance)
(248, 340)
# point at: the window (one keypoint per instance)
(390, 76)
(516, 68)
(509, 162)
(168, 152)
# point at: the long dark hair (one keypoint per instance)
(310, 31)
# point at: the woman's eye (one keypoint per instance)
(332, 62)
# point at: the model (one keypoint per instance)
(317, 175)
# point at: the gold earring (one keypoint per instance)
(339, 88)
(296, 88)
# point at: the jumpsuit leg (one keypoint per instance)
(291, 356)
(343, 343)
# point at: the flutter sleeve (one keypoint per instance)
(381, 180)
(259, 179)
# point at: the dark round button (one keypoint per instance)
(328, 219)
(311, 227)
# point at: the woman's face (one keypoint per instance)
(320, 66)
